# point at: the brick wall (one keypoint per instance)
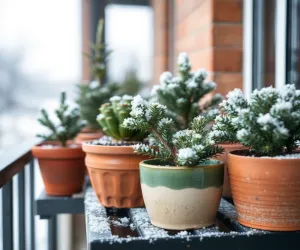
(161, 35)
(210, 31)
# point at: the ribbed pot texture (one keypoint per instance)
(62, 169)
(266, 191)
(224, 158)
(114, 174)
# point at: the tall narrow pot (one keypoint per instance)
(180, 198)
(266, 191)
(114, 174)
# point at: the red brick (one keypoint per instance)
(228, 60)
(227, 82)
(228, 35)
(227, 10)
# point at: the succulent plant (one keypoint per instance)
(69, 123)
(112, 115)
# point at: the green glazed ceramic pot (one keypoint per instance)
(179, 197)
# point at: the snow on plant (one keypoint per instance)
(69, 123)
(187, 147)
(92, 95)
(112, 115)
(269, 123)
(182, 94)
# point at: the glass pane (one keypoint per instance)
(269, 43)
(130, 40)
(293, 53)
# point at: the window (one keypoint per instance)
(271, 43)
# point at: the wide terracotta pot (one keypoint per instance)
(224, 158)
(114, 174)
(88, 135)
(266, 191)
(62, 168)
(180, 198)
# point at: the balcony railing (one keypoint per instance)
(102, 224)
(18, 161)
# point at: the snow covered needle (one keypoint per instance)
(69, 123)
(187, 147)
(181, 94)
(269, 123)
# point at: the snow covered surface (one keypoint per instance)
(99, 223)
(287, 156)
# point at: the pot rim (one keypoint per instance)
(230, 145)
(56, 143)
(217, 165)
(260, 158)
(107, 149)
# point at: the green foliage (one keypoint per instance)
(69, 123)
(182, 94)
(187, 147)
(99, 55)
(91, 97)
(131, 84)
(269, 123)
(113, 114)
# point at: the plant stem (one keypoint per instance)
(163, 142)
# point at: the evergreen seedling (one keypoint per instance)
(269, 123)
(183, 94)
(69, 123)
(188, 147)
(94, 94)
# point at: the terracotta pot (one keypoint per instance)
(224, 158)
(114, 174)
(266, 191)
(88, 135)
(180, 198)
(62, 169)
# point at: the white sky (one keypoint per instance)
(48, 33)
(129, 32)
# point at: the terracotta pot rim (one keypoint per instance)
(57, 152)
(107, 149)
(55, 143)
(234, 154)
(144, 164)
(230, 145)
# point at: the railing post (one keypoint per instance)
(52, 230)
(31, 205)
(7, 216)
(21, 210)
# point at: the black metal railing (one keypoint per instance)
(18, 161)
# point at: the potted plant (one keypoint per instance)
(218, 135)
(265, 178)
(112, 165)
(93, 94)
(189, 95)
(186, 95)
(61, 161)
(182, 187)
